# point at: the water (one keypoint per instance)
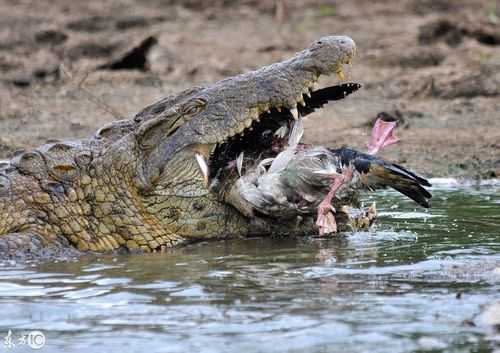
(416, 282)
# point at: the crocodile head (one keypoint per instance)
(186, 141)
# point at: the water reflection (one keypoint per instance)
(415, 281)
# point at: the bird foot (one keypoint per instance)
(382, 136)
(326, 220)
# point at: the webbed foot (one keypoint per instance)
(326, 220)
(382, 136)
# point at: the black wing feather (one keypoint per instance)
(380, 173)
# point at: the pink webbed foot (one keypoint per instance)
(382, 136)
(326, 220)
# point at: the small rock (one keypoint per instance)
(91, 24)
(51, 37)
(440, 30)
(135, 58)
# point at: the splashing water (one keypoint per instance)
(416, 281)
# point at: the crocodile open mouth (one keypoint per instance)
(268, 134)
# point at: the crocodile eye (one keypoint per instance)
(193, 110)
(195, 106)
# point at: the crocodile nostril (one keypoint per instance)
(319, 42)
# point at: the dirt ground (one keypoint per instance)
(67, 68)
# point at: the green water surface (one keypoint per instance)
(418, 281)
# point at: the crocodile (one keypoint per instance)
(158, 179)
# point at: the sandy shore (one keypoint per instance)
(433, 65)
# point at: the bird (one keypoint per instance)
(305, 179)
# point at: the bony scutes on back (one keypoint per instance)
(164, 177)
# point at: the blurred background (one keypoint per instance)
(67, 68)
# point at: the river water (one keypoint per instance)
(418, 281)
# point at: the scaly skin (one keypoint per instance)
(95, 205)
(136, 185)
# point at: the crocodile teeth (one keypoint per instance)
(202, 163)
(340, 74)
(281, 132)
(295, 113)
(239, 163)
(248, 122)
(233, 132)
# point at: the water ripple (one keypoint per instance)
(416, 281)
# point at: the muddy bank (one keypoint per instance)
(68, 69)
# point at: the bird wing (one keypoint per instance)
(374, 173)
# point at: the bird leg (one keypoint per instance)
(326, 220)
(382, 136)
